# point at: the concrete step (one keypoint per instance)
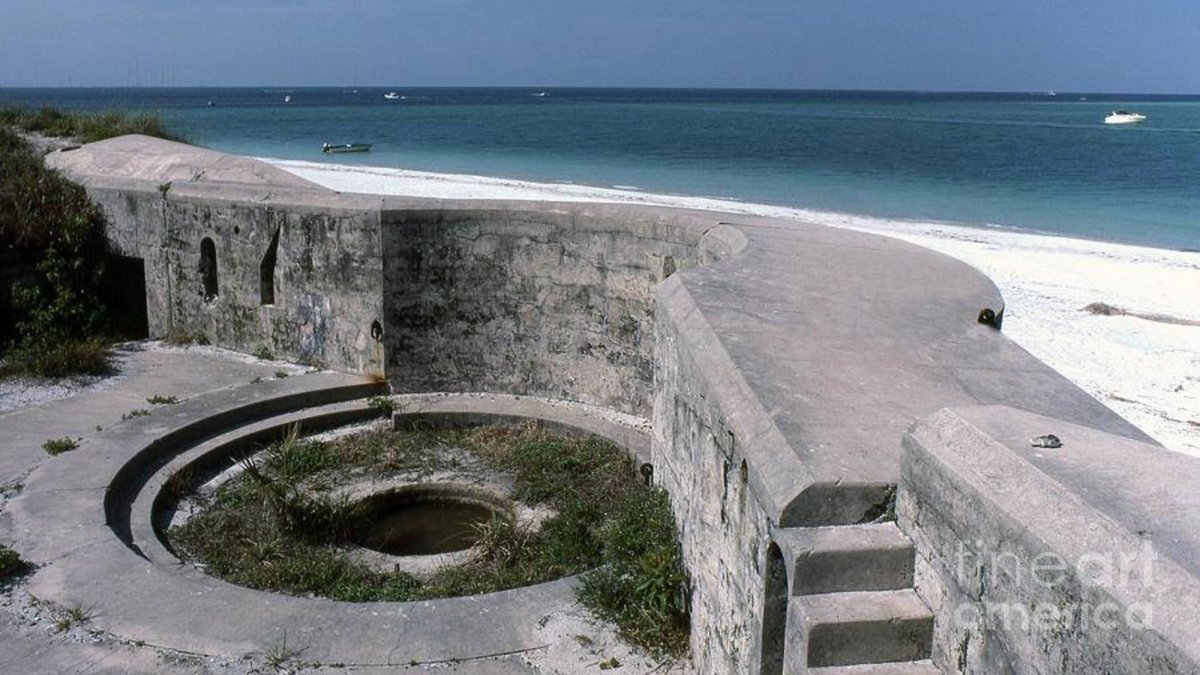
(845, 558)
(903, 668)
(925, 667)
(843, 629)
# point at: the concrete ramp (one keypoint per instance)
(154, 159)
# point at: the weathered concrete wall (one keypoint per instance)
(550, 302)
(724, 529)
(1038, 561)
(781, 361)
(327, 274)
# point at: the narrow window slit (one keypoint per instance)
(267, 272)
(208, 268)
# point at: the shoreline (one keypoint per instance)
(1144, 369)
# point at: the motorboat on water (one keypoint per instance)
(346, 147)
(287, 99)
(1124, 117)
(391, 96)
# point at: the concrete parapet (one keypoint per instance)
(1077, 559)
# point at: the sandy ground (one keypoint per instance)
(1145, 369)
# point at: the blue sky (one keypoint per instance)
(1017, 45)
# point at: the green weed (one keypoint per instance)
(57, 446)
(10, 562)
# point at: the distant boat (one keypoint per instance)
(346, 147)
(1124, 117)
(210, 103)
(287, 99)
(391, 96)
(540, 94)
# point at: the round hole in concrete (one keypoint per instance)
(427, 519)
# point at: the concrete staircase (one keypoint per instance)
(852, 609)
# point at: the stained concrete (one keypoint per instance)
(160, 616)
(1033, 560)
(145, 158)
(788, 359)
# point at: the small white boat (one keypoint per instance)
(1124, 117)
(287, 99)
(391, 96)
(540, 94)
(346, 147)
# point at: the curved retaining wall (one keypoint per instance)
(551, 302)
(781, 361)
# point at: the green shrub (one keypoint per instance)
(86, 356)
(10, 562)
(57, 446)
(53, 244)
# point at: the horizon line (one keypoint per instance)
(1048, 93)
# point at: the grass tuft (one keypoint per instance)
(278, 655)
(57, 446)
(62, 358)
(73, 616)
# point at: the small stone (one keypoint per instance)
(1047, 441)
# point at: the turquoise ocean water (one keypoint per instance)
(1027, 161)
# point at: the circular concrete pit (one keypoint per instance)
(95, 526)
(429, 519)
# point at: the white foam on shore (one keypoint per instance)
(1147, 371)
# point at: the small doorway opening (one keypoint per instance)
(126, 297)
(774, 630)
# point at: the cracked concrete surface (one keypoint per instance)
(33, 637)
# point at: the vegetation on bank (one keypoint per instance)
(53, 248)
(86, 127)
(275, 527)
(10, 562)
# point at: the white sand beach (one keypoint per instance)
(1143, 363)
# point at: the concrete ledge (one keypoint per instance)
(159, 161)
(627, 431)
(1034, 559)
